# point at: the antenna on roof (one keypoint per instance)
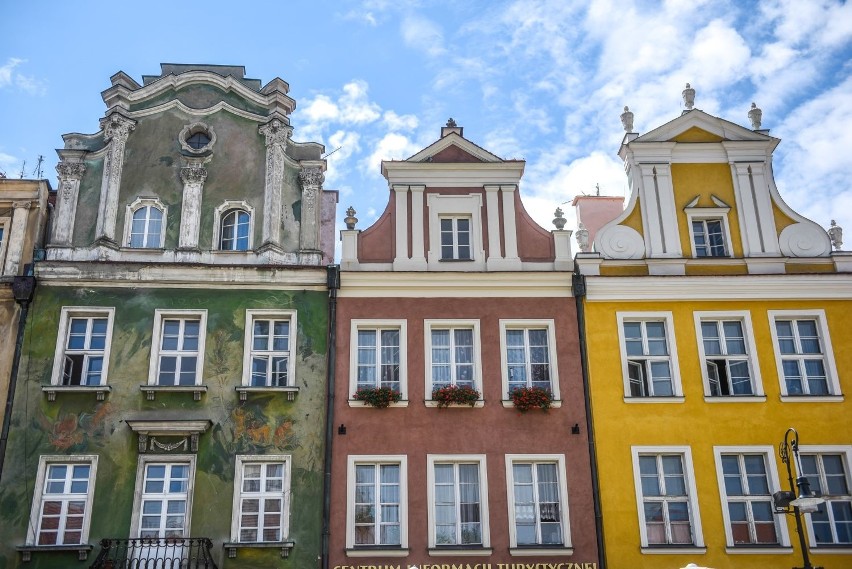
(23, 167)
(37, 170)
(332, 152)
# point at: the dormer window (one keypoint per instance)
(455, 239)
(145, 222)
(708, 238)
(234, 226)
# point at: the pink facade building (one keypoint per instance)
(455, 312)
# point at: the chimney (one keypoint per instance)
(451, 127)
(593, 212)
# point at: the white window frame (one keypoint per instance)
(38, 496)
(353, 550)
(744, 318)
(251, 316)
(768, 453)
(371, 324)
(685, 453)
(139, 203)
(710, 214)
(67, 313)
(443, 206)
(428, 326)
(668, 319)
(142, 462)
(516, 324)
(539, 549)
(846, 452)
(156, 341)
(458, 549)
(456, 232)
(241, 461)
(225, 206)
(828, 354)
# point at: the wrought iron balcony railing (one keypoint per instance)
(153, 553)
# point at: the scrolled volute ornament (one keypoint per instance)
(275, 131)
(70, 170)
(311, 176)
(193, 174)
(117, 127)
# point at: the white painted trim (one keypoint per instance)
(69, 312)
(379, 284)
(240, 461)
(744, 317)
(692, 499)
(515, 324)
(352, 461)
(418, 247)
(373, 324)
(846, 452)
(139, 203)
(453, 174)
(828, 353)
(709, 214)
(452, 139)
(38, 492)
(251, 314)
(428, 325)
(143, 460)
(668, 319)
(161, 314)
(559, 459)
(768, 453)
(225, 206)
(480, 460)
(442, 206)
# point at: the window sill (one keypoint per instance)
(27, 551)
(675, 399)
(735, 398)
(826, 549)
(284, 546)
(356, 403)
(377, 551)
(536, 550)
(480, 403)
(460, 551)
(151, 390)
(456, 260)
(555, 404)
(100, 391)
(244, 390)
(674, 550)
(812, 398)
(754, 550)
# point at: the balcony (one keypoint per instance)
(154, 553)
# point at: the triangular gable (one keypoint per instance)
(454, 148)
(698, 124)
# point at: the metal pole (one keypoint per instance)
(784, 451)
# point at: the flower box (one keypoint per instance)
(526, 398)
(455, 395)
(379, 397)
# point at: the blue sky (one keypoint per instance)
(533, 79)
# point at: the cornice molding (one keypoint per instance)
(382, 284)
(453, 174)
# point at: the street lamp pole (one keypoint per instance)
(800, 488)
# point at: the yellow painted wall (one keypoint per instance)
(701, 425)
(634, 219)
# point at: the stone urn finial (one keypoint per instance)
(350, 220)
(688, 97)
(627, 120)
(451, 123)
(558, 220)
(754, 115)
(835, 233)
(582, 237)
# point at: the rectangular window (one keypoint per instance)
(668, 511)
(62, 502)
(726, 347)
(453, 351)
(457, 501)
(377, 357)
(648, 352)
(82, 346)
(802, 357)
(746, 486)
(261, 499)
(537, 501)
(455, 238)
(270, 338)
(529, 358)
(829, 476)
(377, 502)
(178, 347)
(165, 493)
(708, 236)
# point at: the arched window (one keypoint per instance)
(234, 230)
(146, 228)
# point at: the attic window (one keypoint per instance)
(197, 138)
(709, 230)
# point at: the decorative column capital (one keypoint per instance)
(311, 177)
(70, 170)
(25, 204)
(276, 132)
(117, 127)
(193, 173)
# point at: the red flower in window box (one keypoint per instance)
(526, 398)
(379, 397)
(455, 394)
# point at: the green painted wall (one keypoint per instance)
(78, 424)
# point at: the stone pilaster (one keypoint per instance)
(17, 237)
(193, 174)
(70, 174)
(312, 179)
(116, 131)
(276, 134)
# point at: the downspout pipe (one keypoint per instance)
(23, 288)
(333, 283)
(579, 286)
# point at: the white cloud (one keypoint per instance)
(321, 109)
(355, 107)
(9, 164)
(10, 77)
(423, 35)
(341, 145)
(399, 122)
(7, 69)
(392, 146)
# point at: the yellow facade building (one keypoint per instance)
(716, 317)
